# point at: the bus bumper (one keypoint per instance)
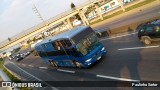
(95, 58)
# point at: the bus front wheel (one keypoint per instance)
(77, 64)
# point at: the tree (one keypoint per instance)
(89, 9)
(9, 39)
(73, 6)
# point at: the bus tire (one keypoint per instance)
(77, 64)
(53, 63)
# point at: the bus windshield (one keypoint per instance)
(87, 44)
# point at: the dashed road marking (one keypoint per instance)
(119, 36)
(66, 71)
(30, 65)
(28, 73)
(139, 47)
(43, 67)
(23, 64)
(117, 78)
(35, 77)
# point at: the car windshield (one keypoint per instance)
(87, 44)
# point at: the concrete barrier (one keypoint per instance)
(5, 78)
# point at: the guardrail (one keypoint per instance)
(6, 78)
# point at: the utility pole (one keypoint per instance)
(38, 14)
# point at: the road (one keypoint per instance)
(130, 19)
(127, 59)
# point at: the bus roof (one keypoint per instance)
(68, 34)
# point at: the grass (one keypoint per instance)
(139, 5)
(127, 9)
(1, 63)
(114, 14)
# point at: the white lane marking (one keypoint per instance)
(117, 78)
(65, 71)
(23, 64)
(139, 47)
(30, 65)
(28, 73)
(35, 77)
(119, 36)
(43, 67)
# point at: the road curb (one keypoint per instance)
(14, 74)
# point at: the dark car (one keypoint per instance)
(148, 33)
(18, 57)
(103, 32)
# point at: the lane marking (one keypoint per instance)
(28, 73)
(139, 47)
(23, 64)
(119, 36)
(43, 67)
(66, 71)
(117, 78)
(31, 65)
(35, 77)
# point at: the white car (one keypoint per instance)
(77, 22)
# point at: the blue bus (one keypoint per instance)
(79, 47)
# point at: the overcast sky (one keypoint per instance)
(17, 15)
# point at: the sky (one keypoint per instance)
(17, 15)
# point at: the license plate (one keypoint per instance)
(99, 58)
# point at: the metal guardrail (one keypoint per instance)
(4, 76)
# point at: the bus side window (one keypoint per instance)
(56, 45)
(47, 47)
(65, 43)
(68, 43)
(44, 46)
(62, 44)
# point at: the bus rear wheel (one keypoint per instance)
(53, 63)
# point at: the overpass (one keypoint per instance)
(53, 21)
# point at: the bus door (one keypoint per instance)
(65, 44)
(61, 54)
(43, 52)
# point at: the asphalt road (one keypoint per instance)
(127, 60)
(129, 18)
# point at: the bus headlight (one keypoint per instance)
(88, 60)
(102, 49)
